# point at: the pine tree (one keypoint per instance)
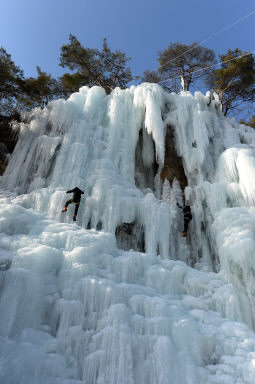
(186, 61)
(151, 77)
(104, 68)
(18, 93)
(156, 77)
(234, 82)
(11, 78)
(38, 91)
(250, 123)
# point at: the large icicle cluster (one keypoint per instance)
(89, 141)
(75, 308)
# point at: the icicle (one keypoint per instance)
(76, 308)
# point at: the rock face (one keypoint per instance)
(173, 166)
(131, 235)
(8, 139)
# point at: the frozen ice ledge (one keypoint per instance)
(120, 297)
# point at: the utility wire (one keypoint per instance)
(207, 39)
(210, 66)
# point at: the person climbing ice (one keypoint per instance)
(187, 217)
(76, 200)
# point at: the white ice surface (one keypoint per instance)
(76, 309)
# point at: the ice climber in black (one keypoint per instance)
(76, 200)
(187, 217)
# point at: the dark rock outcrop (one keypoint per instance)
(130, 236)
(144, 174)
(173, 166)
(8, 139)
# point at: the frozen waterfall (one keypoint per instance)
(120, 297)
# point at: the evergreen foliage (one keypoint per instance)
(18, 93)
(250, 123)
(151, 77)
(182, 60)
(104, 68)
(156, 77)
(40, 90)
(11, 79)
(234, 82)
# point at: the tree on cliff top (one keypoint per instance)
(18, 93)
(93, 67)
(186, 61)
(38, 91)
(234, 82)
(11, 78)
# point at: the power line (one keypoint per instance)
(210, 66)
(207, 39)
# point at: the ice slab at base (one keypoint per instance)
(74, 309)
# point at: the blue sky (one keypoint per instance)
(33, 31)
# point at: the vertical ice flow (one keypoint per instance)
(75, 308)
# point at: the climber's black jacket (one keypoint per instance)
(186, 211)
(76, 194)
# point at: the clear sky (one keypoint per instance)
(33, 31)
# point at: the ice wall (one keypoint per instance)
(75, 308)
(89, 141)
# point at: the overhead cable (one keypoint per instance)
(207, 39)
(210, 66)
